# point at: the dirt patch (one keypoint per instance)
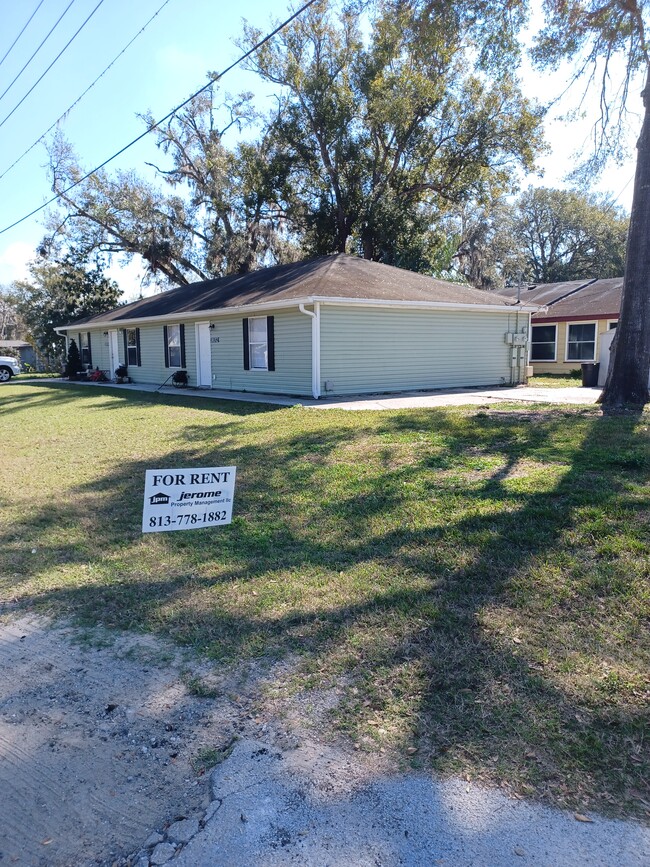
(105, 739)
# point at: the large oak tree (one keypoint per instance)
(379, 135)
(377, 131)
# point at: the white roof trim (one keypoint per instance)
(436, 305)
(108, 324)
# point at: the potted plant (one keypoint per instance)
(122, 374)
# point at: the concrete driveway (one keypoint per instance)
(464, 397)
(401, 400)
(311, 806)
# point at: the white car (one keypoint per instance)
(8, 367)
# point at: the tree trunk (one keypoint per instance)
(627, 377)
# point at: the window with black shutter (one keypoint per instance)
(259, 343)
(132, 347)
(174, 340)
(84, 349)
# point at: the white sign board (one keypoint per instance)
(188, 499)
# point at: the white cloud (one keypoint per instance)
(13, 262)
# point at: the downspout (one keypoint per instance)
(515, 354)
(315, 347)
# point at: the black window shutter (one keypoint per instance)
(90, 354)
(166, 342)
(247, 358)
(270, 342)
(126, 347)
(182, 330)
(137, 343)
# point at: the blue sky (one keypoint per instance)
(163, 66)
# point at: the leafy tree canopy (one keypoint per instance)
(11, 324)
(544, 235)
(380, 136)
(374, 136)
(57, 293)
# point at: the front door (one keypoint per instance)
(113, 353)
(203, 355)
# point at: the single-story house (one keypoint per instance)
(573, 318)
(20, 349)
(333, 325)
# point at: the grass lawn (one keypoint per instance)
(556, 380)
(474, 581)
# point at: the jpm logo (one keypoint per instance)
(160, 499)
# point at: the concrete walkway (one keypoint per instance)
(403, 400)
(310, 807)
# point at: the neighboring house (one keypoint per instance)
(574, 317)
(20, 349)
(329, 326)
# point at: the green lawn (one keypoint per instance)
(474, 580)
(556, 380)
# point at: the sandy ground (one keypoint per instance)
(99, 744)
(102, 762)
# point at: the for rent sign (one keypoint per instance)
(188, 499)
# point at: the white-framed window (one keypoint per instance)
(132, 343)
(581, 341)
(612, 323)
(543, 344)
(258, 345)
(84, 348)
(174, 346)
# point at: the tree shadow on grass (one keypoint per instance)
(466, 597)
(55, 394)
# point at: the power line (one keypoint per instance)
(52, 29)
(616, 198)
(65, 47)
(90, 86)
(8, 51)
(163, 119)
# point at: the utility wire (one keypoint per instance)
(616, 198)
(8, 51)
(90, 86)
(163, 119)
(52, 29)
(65, 47)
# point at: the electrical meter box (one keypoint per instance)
(513, 339)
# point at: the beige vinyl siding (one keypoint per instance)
(292, 374)
(366, 349)
(561, 365)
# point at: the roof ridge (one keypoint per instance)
(327, 269)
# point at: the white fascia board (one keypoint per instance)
(108, 324)
(434, 305)
(199, 315)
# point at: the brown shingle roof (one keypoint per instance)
(574, 298)
(336, 276)
(600, 298)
